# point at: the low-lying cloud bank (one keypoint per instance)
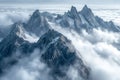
(98, 51)
(28, 68)
(10, 17)
(96, 48)
(32, 68)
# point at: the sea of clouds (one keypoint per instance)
(97, 49)
(28, 68)
(8, 18)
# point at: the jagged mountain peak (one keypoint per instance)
(85, 7)
(73, 13)
(86, 11)
(60, 53)
(12, 41)
(52, 36)
(17, 29)
(73, 9)
(37, 24)
(35, 16)
(36, 13)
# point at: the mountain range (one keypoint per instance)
(56, 50)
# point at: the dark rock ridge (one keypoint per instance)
(4, 31)
(37, 24)
(70, 19)
(1, 34)
(56, 51)
(73, 13)
(85, 19)
(9, 45)
(59, 54)
(13, 40)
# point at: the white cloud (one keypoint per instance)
(97, 51)
(30, 68)
(10, 17)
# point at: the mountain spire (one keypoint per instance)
(37, 24)
(73, 13)
(86, 11)
(73, 9)
(36, 13)
(17, 30)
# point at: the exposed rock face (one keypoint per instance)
(1, 34)
(59, 54)
(9, 45)
(85, 19)
(73, 13)
(37, 24)
(16, 38)
(56, 51)
(4, 31)
(88, 18)
(12, 41)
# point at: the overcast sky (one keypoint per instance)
(62, 1)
